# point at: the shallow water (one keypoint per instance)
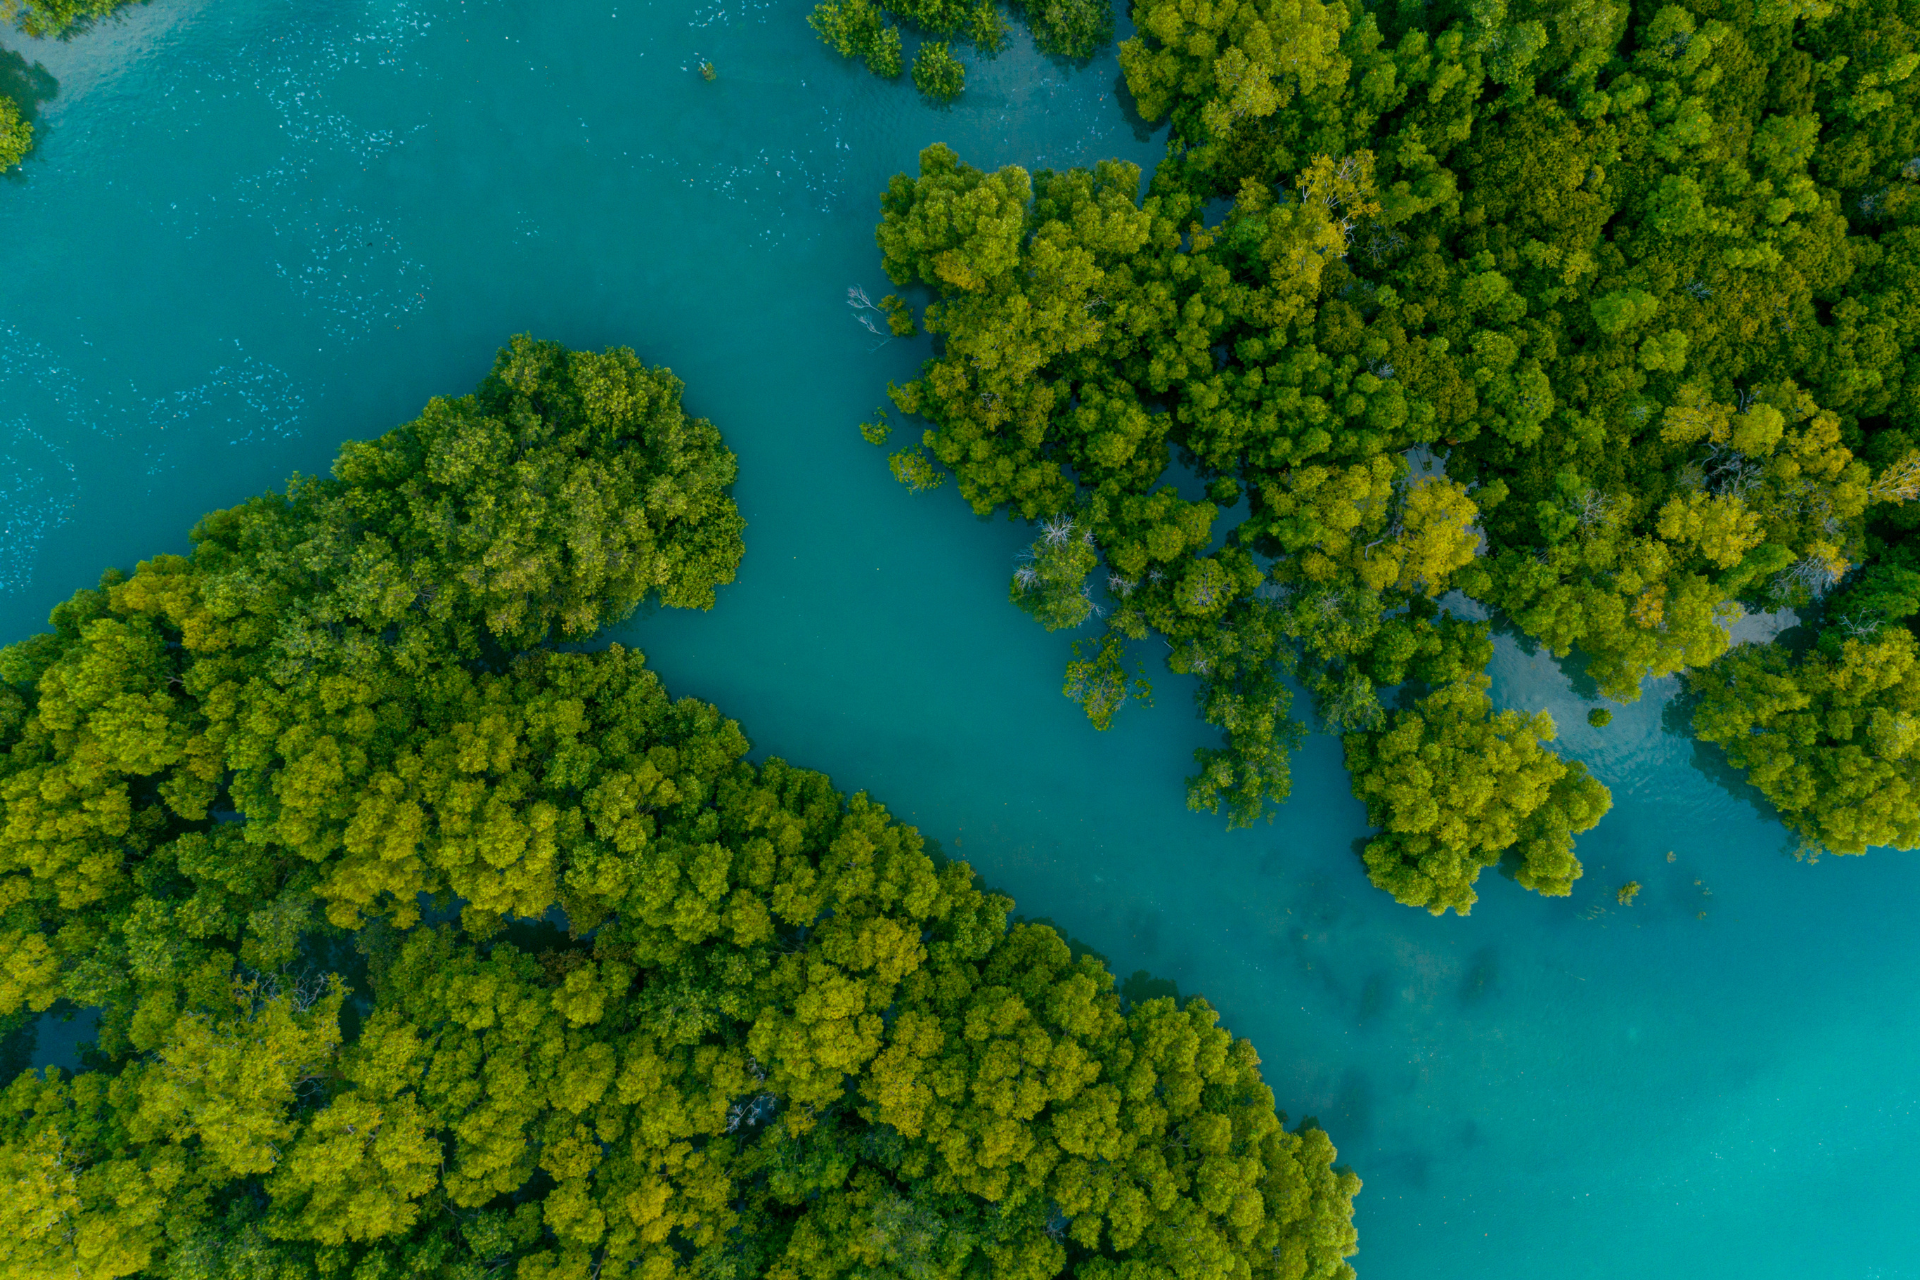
(256, 228)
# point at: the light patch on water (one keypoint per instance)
(38, 483)
(33, 375)
(349, 269)
(239, 402)
(246, 402)
(779, 183)
(352, 271)
(721, 13)
(37, 487)
(772, 180)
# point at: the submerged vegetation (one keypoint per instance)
(294, 813)
(860, 29)
(1641, 279)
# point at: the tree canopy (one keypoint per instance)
(422, 947)
(859, 29)
(1600, 316)
(16, 134)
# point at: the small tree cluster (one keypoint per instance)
(860, 29)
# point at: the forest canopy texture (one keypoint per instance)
(1595, 319)
(422, 948)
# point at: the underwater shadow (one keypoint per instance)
(1573, 666)
(29, 84)
(1512, 863)
(64, 1037)
(1353, 1106)
(1141, 986)
(1482, 978)
(1376, 997)
(1709, 760)
(1142, 128)
(1413, 1168)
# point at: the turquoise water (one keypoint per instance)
(258, 227)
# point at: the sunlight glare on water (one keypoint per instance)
(256, 228)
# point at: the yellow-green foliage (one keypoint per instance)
(1454, 787)
(937, 73)
(1828, 737)
(859, 28)
(1238, 61)
(45, 18)
(333, 663)
(775, 1037)
(16, 135)
(1642, 281)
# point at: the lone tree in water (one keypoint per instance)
(937, 73)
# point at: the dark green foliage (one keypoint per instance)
(857, 29)
(937, 73)
(1599, 717)
(1602, 317)
(557, 497)
(1069, 28)
(1829, 735)
(775, 1039)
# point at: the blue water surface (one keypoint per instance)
(255, 228)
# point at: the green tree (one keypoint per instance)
(1829, 737)
(1454, 786)
(44, 18)
(937, 73)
